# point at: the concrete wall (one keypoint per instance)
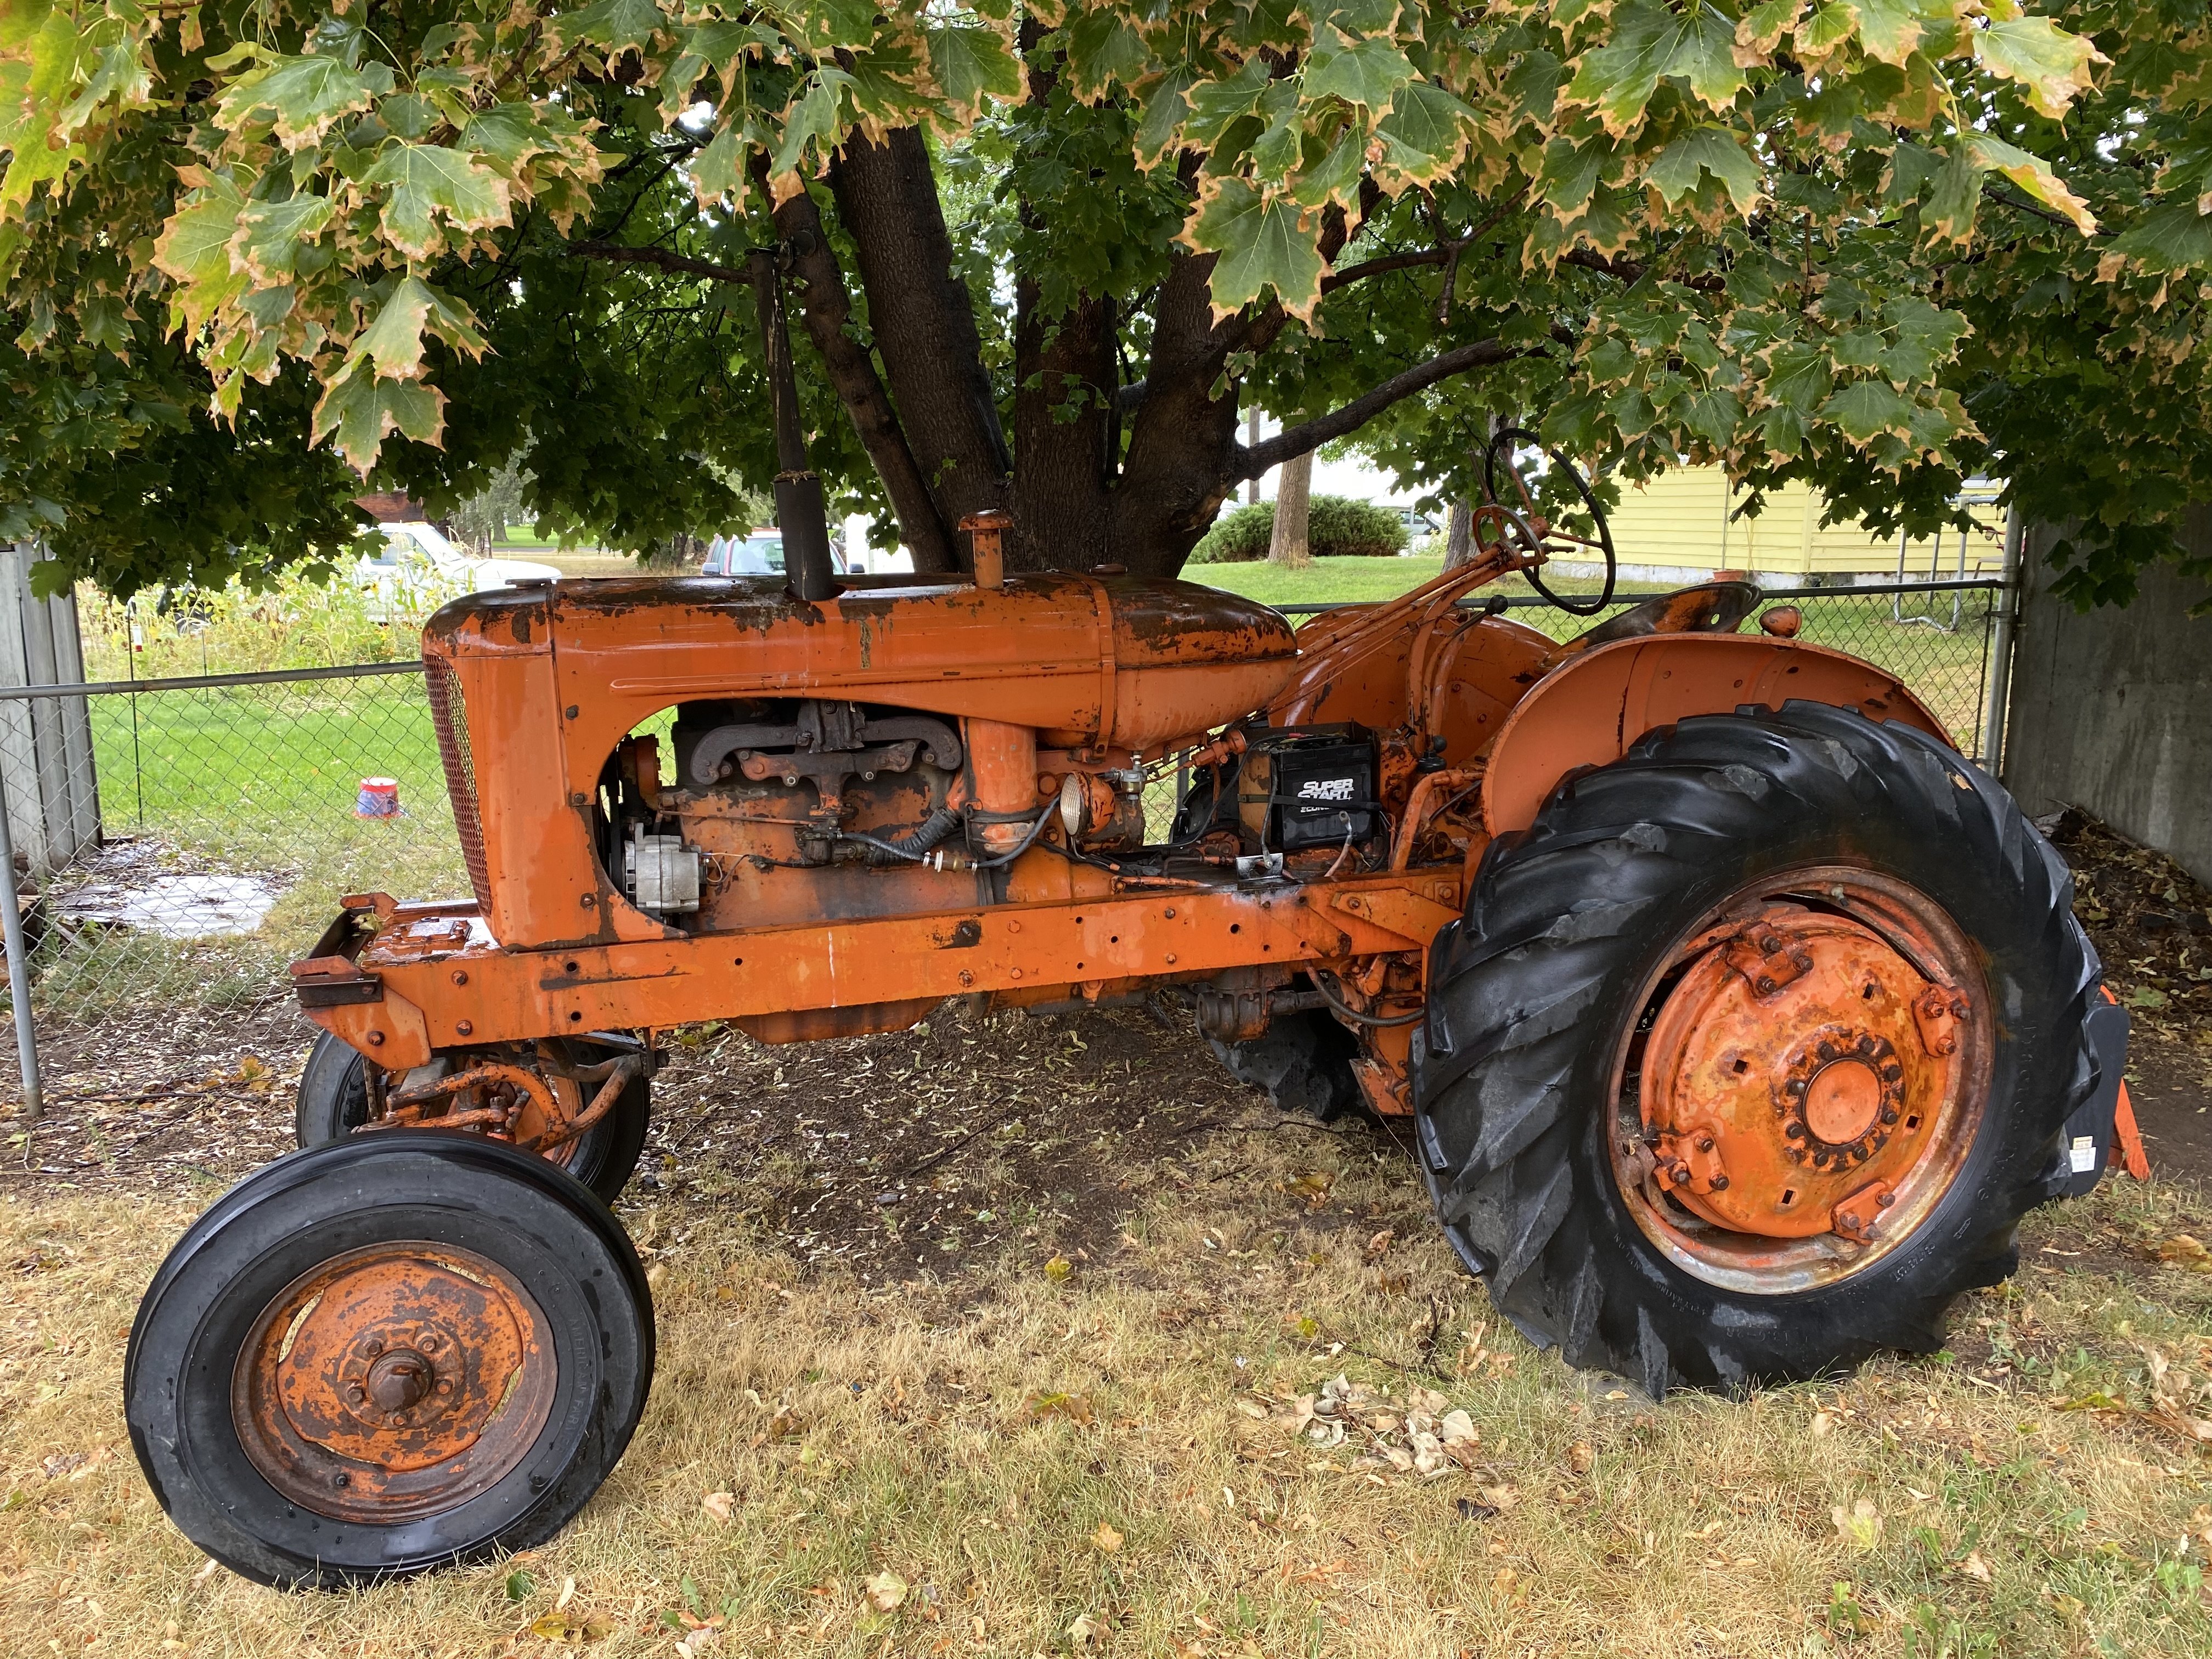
(2112, 712)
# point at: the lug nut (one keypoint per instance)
(1886, 1199)
(1705, 1143)
(372, 1346)
(357, 1394)
(428, 1345)
(340, 1478)
(445, 1385)
(1720, 1183)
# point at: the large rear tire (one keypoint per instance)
(1691, 1167)
(387, 1354)
(334, 1103)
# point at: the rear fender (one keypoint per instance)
(1592, 710)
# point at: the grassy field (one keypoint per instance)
(1033, 1454)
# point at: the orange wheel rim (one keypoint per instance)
(393, 1381)
(1805, 1079)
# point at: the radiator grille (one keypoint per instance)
(449, 717)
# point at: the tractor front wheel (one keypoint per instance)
(1748, 1057)
(334, 1103)
(387, 1354)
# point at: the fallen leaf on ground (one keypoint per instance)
(1860, 1526)
(886, 1592)
(1075, 1407)
(720, 1504)
(1058, 1269)
(2184, 1251)
(1974, 1567)
(1106, 1539)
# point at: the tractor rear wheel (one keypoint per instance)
(1747, 1058)
(387, 1354)
(334, 1103)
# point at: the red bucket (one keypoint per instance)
(379, 798)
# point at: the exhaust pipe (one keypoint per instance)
(801, 514)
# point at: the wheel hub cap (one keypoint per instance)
(1792, 1075)
(394, 1381)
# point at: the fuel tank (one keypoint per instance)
(1125, 662)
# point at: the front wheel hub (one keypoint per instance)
(393, 1381)
(1804, 1081)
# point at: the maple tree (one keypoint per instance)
(1044, 254)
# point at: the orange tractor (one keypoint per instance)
(1738, 1019)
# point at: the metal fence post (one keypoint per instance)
(2002, 617)
(18, 968)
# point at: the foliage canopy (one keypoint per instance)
(255, 248)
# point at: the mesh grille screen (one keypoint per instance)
(449, 716)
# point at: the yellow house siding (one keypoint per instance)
(1678, 521)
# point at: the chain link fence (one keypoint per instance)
(179, 841)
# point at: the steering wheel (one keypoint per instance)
(1524, 503)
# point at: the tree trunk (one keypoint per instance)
(1459, 535)
(1293, 496)
(1252, 437)
(922, 323)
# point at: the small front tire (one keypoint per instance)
(385, 1355)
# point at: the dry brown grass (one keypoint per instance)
(984, 1440)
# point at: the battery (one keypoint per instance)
(1322, 789)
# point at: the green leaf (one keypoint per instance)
(1713, 414)
(1649, 44)
(392, 343)
(1909, 168)
(301, 97)
(970, 65)
(1676, 169)
(194, 248)
(1425, 132)
(1953, 198)
(719, 170)
(1337, 178)
(428, 181)
(1889, 29)
(1798, 376)
(1366, 73)
(362, 409)
(508, 133)
(813, 115)
(1927, 336)
(617, 25)
(2171, 237)
(2032, 174)
(271, 234)
(1166, 103)
(2051, 65)
(1865, 409)
(1760, 30)
(1264, 242)
(1103, 49)
(119, 82)
(1215, 105)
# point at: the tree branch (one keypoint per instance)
(615, 254)
(1349, 417)
(1376, 267)
(1628, 270)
